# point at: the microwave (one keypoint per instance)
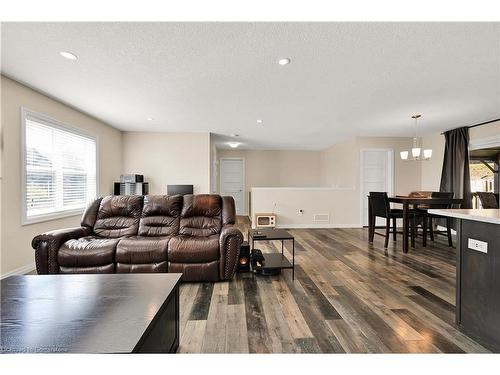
(264, 220)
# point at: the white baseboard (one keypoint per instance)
(19, 271)
(317, 226)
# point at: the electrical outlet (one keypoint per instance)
(478, 245)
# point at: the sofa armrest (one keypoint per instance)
(47, 245)
(229, 243)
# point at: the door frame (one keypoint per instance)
(245, 210)
(390, 177)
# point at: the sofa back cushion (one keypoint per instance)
(160, 215)
(90, 214)
(118, 216)
(228, 211)
(201, 215)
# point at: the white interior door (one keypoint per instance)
(232, 181)
(376, 175)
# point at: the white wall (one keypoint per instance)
(431, 169)
(168, 158)
(272, 168)
(336, 168)
(485, 131)
(16, 251)
(340, 163)
(340, 169)
(286, 203)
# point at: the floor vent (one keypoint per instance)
(323, 218)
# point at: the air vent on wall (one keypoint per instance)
(321, 218)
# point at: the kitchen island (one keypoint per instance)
(478, 273)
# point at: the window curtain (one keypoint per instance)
(455, 176)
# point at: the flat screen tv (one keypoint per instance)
(179, 189)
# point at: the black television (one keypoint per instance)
(179, 189)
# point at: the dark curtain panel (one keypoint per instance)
(455, 176)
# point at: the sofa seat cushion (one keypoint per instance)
(187, 249)
(142, 250)
(87, 251)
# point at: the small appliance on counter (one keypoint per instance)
(265, 220)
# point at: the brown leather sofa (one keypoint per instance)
(191, 234)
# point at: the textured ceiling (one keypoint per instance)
(345, 79)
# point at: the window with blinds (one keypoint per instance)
(59, 169)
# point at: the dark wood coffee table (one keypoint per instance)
(121, 313)
(274, 261)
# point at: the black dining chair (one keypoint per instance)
(488, 200)
(380, 207)
(428, 218)
(421, 219)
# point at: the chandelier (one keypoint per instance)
(416, 150)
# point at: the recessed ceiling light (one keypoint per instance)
(260, 121)
(150, 119)
(284, 61)
(68, 55)
(233, 144)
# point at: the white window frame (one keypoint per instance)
(49, 121)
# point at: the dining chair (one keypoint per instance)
(428, 218)
(488, 200)
(380, 207)
(420, 219)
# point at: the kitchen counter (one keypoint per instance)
(478, 267)
(485, 215)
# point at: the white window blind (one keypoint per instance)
(59, 170)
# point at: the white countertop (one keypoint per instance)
(484, 215)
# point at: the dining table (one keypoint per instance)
(414, 202)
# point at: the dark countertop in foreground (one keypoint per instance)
(83, 313)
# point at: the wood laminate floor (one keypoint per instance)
(347, 297)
